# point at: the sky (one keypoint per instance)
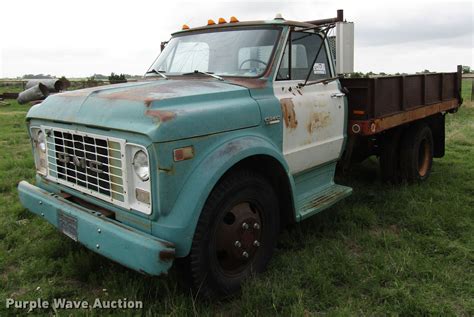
(80, 38)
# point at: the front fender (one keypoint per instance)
(179, 225)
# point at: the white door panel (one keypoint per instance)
(313, 131)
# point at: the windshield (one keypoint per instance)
(230, 52)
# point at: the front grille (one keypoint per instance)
(87, 162)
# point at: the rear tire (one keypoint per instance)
(242, 209)
(417, 153)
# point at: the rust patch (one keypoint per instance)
(167, 170)
(163, 116)
(167, 255)
(250, 83)
(148, 102)
(318, 120)
(289, 115)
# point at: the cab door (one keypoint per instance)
(313, 115)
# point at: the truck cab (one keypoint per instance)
(234, 132)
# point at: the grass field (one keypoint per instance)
(398, 250)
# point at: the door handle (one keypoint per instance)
(338, 95)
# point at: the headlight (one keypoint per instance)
(39, 143)
(140, 165)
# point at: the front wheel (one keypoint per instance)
(235, 235)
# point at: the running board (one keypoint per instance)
(320, 200)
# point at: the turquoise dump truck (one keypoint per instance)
(234, 133)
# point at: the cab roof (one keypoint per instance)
(248, 23)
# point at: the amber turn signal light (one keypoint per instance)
(184, 153)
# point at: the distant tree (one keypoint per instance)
(466, 69)
(426, 71)
(37, 76)
(100, 76)
(357, 75)
(115, 78)
(369, 74)
(382, 74)
(66, 82)
(91, 82)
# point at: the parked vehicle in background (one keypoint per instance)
(235, 132)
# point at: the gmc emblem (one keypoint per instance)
(80, 162)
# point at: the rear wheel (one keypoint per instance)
(235, 236)
(417, 153)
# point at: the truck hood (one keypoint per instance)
(164, 110)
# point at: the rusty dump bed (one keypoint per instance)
(378, 104)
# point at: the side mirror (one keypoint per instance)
(344, 47)
(163, 45)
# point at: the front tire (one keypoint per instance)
(235, 235)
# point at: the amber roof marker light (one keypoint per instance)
(221, 21)
(185, 27)
(210, 22)
(233, 19)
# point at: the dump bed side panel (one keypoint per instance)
(373, 100)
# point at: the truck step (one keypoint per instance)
(320, 200)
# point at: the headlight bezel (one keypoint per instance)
(139, 188)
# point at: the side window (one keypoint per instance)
(304, 47)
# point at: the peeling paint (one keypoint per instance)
(162, 116)
(289, 115)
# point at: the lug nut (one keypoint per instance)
(237, 244)
(245, 254)
(245, 226)
(256, 226)
(256, 243)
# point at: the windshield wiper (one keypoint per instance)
(159, 72)
(205, 73)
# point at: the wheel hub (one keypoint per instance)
(238, 237)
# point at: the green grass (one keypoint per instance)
(398, 250)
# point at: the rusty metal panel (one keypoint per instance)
(449, 86)
(359, 98)
(432, 88)
(372, 98)
(387, 96)
(413, 91)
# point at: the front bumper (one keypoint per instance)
(134, 249)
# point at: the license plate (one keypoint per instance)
(67, 225)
